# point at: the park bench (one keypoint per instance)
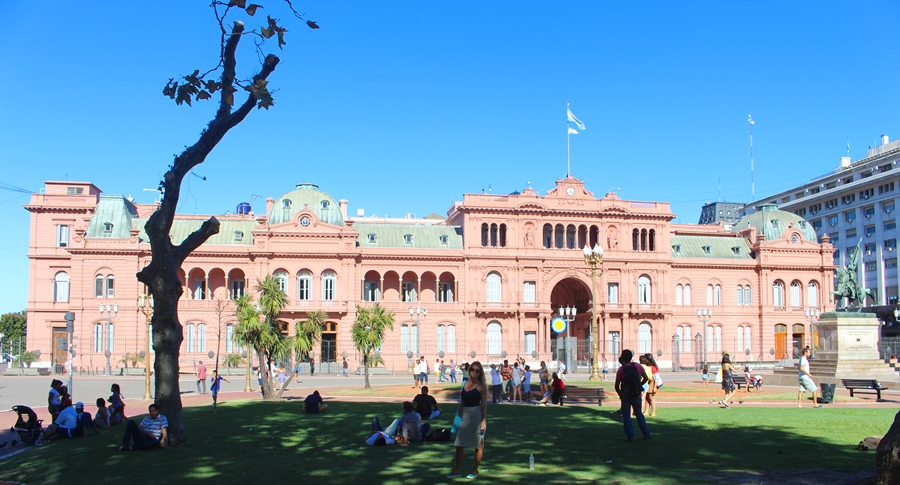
(742, 381)
(584, 394)
(870, 386)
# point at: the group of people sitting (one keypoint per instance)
(71, 421)
(408, 428)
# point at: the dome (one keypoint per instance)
(773, 222)
(306, 196)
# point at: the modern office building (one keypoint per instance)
(727, 213)
(486, 281)
(854, 204)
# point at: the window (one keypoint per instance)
(98, 337)
(707, 249)
(530, 342)
(887, 207)
(528, 293)
(282, 277)
(107, 228)
(304, 285)
(451, 338)
(414, 338)
(688, 337)
(494, 343)
(865, 194)
(98, 286)
(679, 339)
(612, 293)
(74, 190)
(404, 338)
(869, 248)
(237, 289)
(446, 293)
(718, 340)
(676, 248)
(408, 239)
(645, 338)
(850, 216)
(740, 341)
(748, 295)
(718, 295)
(778, 294)
(201, 337)
(812, 294)
(679, 295)
(110, 337)
(199, 289)
(870, 231)
(883, 189)
(61, 287)
(891, 224)
(444, 239)
(736, 250)
(848, 199)
(238, 236)
(687, 294)
(441, 330)
(408, 291)
(890, 245)
(709, 294)
(229, 338)
(740, 295)
(644, 289)
(890, 263)
(62, 236)
(817, 224)
(110, 286)
(795, 294)
(851, 233)
(494, 286)
(747, 334)
(329, 283)
(868, 212)
(835, 237)
(189, 336)
(372, 238)
(870, 266)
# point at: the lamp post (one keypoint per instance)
(145, 304)
(705, 314)
(110, 310)
(812, 316)
(70, 347)
(418, 314)
(568, 314)
(594, 258)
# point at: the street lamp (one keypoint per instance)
(145, 304)
(110, 310)
(705, 314)
(812, 316)
(568, 314)
(594, 258)
(418, 314)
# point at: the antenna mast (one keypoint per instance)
(752, 184)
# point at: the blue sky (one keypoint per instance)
(405, 106)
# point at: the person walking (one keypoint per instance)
(648, 406)
(805, 380)
(442, 375)
(496, 390)
(312, 366)
(473, 411)
(415, 371)
(704, 375)
(630, 379)
(215, 385)
(452, 371)
(727, 380)
(345, 368)
(201, 378)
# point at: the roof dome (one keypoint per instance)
(306, 196)
(773, 223)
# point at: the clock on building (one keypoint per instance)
(304, 221)
(570, 191)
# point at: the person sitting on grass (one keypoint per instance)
(216, 384)
(313, 403)
(406, 429)
(426, 405)
(65, 425)
(116, 405)
(152, 432)
(84, 420)
(101, 419)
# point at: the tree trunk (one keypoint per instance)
(887, 455)
(268, 392)
(366, 369)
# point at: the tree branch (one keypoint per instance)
(209, 228)
(229, 62)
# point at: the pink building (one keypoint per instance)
(492, 275)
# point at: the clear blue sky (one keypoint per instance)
(405, 106)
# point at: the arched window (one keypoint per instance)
(484, 235)
(494, 287)
(645, 338)
(740, 295)
(687, 295)
(748, 295)
(560, 237)
(189, 336)
(718, 338)
(110, 286)
(812, 294)
(494, 344)
(570, 237)
(451, 338)
(747, 334)
(679, 295)
(718, 295)
(643, 239)
(740, 342)
(110, 337)
(652, 239)
(494, 235)
(98, 337)
(644, 289)
(281, 277)
(778, 293)
(795, 294)
(329, 284)
(229, 338)
(61, 287)
(286, 209)
(502, 235)
(98, 286)
(635, 240)
(709, 294)
(441, 335)
(548, 236)
(688, 337)
(679, 338)
(304, 285)
(404, 338)
(201, 337)
(710, 344)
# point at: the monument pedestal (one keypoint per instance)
(846, 347)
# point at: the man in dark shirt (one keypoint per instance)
(313, 403)
(424, 404)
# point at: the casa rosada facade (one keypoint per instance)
(485, 281)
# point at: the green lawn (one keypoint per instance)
(256, 442)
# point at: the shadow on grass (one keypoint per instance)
(253, 441)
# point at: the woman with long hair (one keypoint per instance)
(727, 379)
(649, 364)
(473, 411)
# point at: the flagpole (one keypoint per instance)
(568, 145)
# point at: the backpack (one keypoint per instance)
(438, 434)
(631, 381)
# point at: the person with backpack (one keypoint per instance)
(630, 379)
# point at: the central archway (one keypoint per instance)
(572, 292)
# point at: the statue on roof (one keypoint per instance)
(847, 285)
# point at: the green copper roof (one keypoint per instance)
(409, 236)
(307, 196)
(773, 222)
(710, 247)
(182, 228)
(112, 218)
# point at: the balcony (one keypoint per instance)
(496, 306)
(402, 307)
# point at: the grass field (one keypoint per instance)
(256, 442)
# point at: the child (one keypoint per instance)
(704, 375)
(101, 419)
(216, 382)
(116, 405)
(526, 384)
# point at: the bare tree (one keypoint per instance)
(887, 455)
(161, 275)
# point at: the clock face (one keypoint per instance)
(304, 221)
(570, 191)
(794, 238)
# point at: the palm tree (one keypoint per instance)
(368, 332)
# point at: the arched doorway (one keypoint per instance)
(781, 341)
(576, 351)
(798, 332)
(329, 343)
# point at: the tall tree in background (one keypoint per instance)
(12, 326)
(161, 275)
(368, 332)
